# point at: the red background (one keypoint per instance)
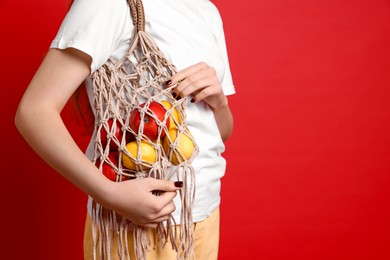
(309, 161)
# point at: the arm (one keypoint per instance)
(59, 75)
(201, 82)
(224, 119)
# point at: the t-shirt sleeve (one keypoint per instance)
(227, 80)
(95, 27)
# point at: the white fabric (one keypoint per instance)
(188, 32)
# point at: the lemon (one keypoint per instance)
(184, 149)
(174, 117)
(148, 155)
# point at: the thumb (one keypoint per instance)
(164, 185)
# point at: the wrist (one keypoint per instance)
(222, 104)
(103, 191)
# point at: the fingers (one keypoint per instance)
(164, 208)
(165, 213)
(137, 201)
(196, 83)
(220, 100)
(156, 221)
(164, 205)
(183, 74)
(163, 185)
(165, 199)
(186, 77)
(201, 82)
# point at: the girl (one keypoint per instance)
(190, 33)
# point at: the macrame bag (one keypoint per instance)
(141, 131)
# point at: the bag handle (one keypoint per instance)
(137, 14)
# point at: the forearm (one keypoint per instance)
(133, 199)
(224, 119)
(38, 120)
(48, 136)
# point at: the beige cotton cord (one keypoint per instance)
(120, 87)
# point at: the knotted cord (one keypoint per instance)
(121, 87)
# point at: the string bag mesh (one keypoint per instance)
(141, 131)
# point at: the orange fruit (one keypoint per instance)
(174, 114)
(147, 156)
(184, 149)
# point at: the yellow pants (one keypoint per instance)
(206, 241)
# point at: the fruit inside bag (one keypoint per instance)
(141, 131)
(154, 132)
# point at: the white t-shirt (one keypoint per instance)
(188, 32)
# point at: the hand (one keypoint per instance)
(134, 200)
(200, 81)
